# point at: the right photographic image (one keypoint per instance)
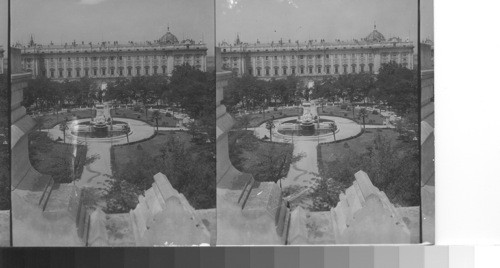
(324, 133)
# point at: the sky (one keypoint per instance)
(3, 25)
(62, 21)
(270, 20)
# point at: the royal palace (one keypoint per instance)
(111, 60)
(313, 59)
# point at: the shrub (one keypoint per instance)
(346, 145)
(139, 147)
(137, 108)
(343, 106)
(375, 112)
(168, 115)
(275, 108)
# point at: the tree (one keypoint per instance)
(156, 116)
(333, 128)
(126, 130)
(270, 125)
(397, 87)
(64, 127)
(363, 114)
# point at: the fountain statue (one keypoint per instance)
(101, 126)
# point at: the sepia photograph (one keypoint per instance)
(318, 112)
(4, 130)
(113, 123)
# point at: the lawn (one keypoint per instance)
(257, 119)
(50, 120)
(332, 151)
(55, 159)
(164, 121)
(123, 154)
(245, 148)
(372, 119)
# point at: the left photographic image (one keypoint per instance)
(4, 130)
(113, 123)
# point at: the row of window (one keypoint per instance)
(60, 59)
(327, 56)
(104, 72)
(310, 70)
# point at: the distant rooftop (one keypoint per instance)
(168, 39)
(374, 38)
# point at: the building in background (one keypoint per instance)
(315, 58)
(111, 60)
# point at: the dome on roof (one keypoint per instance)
(375, 36)
(169, 38)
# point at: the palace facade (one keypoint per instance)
(111, 60)
(314, 59)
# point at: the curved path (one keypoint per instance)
(97, 173)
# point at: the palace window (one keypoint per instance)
(345, 68)
(353, 67)
(336, 69)
(60, 59)
(327, 56)
(147, 70)
(293, 57)
(129, 71)
(250, 71)
(267, 71)
(276, 71)
(267, 57)
(310, 70)
(275, 57)
(164, 69)
(301, 70)
(120, 58)
(318, 56)
(112, 71)
(310, 56)
(112, 58)
(86, 72)
(120, 71)
(138, 72)
(319, 69)
(51, 73)
(77, 72)
(362, 66)
(103, 71)
(284, 70)
(95, 71)
(301, 56)
(155, 69)
(60, 73)
(258, 71)
(69, 59)
(328, 69)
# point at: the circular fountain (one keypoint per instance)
(310, 126)
(101, 126)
